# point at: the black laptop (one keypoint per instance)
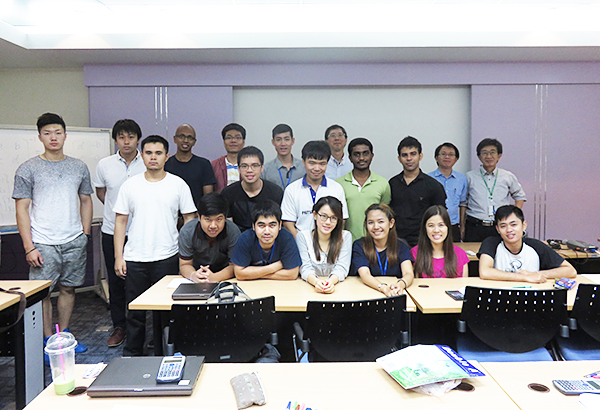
(136, 376)
(194, 291)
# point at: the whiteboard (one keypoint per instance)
(18, 143)
(384, 115)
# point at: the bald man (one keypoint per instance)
(194, 170)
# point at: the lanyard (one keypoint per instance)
(265, 262)
(491, 192)
(381, 268)
(291, 171)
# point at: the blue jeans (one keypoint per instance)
(140, 277)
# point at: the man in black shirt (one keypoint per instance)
(413, 191)
(244, 194)
(195, 171)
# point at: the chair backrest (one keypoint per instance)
(357, 330)
(514, 320)
(226, 332)
(586, 309)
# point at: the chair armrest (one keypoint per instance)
(274, 339)
(168, 346)
(299, 342)
(462, 326)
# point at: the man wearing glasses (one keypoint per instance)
(243, 195)
(489, 188)
(226, 167)
(194, 170)
(338, 164)
(455, 184)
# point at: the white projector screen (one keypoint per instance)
(384, 115)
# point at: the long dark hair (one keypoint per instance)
(392, 239)
(210, 205)
(424, 261)
(335, 239)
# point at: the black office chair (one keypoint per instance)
(583, 341)
(226, 332)
(355, 331)
(510, 324)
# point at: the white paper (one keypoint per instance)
(590, 401)
(594, 277)
(176, 282)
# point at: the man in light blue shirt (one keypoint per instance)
(455, 184)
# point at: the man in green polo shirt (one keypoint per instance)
(361, 186)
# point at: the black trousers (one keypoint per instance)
(116, 285)
(140, 277)
(476, 232)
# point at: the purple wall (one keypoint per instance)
(545, 114)
(160, 110)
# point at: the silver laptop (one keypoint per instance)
(194, 291)
(136, 376)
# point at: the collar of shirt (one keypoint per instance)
(355, 182)
(420, 176)
(438, 173)
(344, 161)
(138, 156)
(494, 172)
(280, 165)
(305, 184)
(229, 164)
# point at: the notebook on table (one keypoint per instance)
(194, 291)
(136, 376)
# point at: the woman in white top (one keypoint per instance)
(326, 251)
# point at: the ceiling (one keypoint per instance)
(71, 33)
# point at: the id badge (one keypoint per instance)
(491, 211)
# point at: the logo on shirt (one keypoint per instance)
(515, 265)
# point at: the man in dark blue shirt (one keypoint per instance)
(266, 251)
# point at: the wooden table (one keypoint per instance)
(515, 377)
(27, 337)
(344, 386)
(290, 295)
(430, 297)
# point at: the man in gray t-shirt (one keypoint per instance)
(53, 231)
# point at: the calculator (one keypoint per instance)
(572, 387)
(171, 369)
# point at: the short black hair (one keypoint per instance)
(359, 141)
(234, 126)
(507, 210)
(152, 139)
(212, 204)
(265, 209)
(446, 145)
(316, 150)
(250, 151)
(281, 128)
(50, 118)
(128, 126)
(486, 142)
(334, 127)
(410, 142)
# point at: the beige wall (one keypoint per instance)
(25, 94)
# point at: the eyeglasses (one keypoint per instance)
(447, 154)
(244, 167)
(490, 153)
(186, 137)
(231, 138)
(324, 217)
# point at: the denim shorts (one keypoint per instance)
(63, 264)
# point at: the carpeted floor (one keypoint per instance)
(91, 325)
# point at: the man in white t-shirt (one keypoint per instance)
(300, 196)
(111, 172)
(512, 257)
(153, 199)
